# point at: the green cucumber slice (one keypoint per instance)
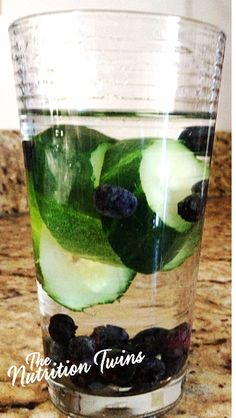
(77, 232)
(192, 241)
(168, 171)
(97, 159)
(67, 162)
(35, 222)
(77, 283)
(35, 218)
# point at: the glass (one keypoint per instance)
(117, 112)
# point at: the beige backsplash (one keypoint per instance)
(12, 179)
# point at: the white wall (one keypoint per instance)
(217, 12)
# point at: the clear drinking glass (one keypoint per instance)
(117, 113)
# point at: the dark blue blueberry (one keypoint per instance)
(198, 139)
(127, 346)
(120, 374)
(191, 209)
(114, 201)
(178, 341)
(81, 349)
(108, 336)
(174, 365)
(58, 353)
(91, 378)
(150, 341)
(149, 373)
(201, 188)
(61, 328)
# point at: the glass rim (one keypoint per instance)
(206, 25)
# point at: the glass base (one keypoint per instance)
(150, 404)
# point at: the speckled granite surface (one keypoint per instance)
(208, 383)
(12, 179)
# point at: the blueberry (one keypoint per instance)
(191, 209)
(150, 341)
(119, 375)
(114, 201)
(61, 328)
(81, 349)
(86, 379)
(174, 365)
(108, 336)
(58, 353)
(198, 139)
(178, 341)
(149, 373)
(201, 188)
(127, 346)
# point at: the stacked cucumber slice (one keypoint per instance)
(86, 257)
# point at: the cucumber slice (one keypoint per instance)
(168, 171)
(97, 159)
(192, 241)
(67, 162)
(77, 232)
(77, 283)
(35, 218)
(67, 166)
(35, 222)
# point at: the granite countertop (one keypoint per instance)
(208, 381)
